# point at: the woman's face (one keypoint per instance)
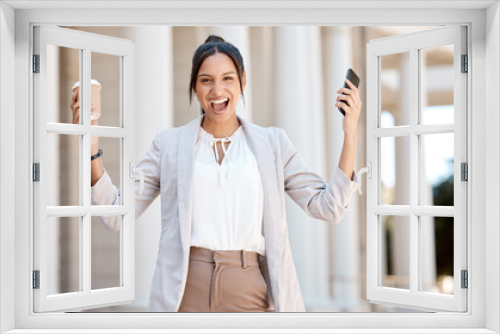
(218, 87)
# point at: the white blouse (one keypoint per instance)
(228, 199)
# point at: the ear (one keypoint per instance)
(244, 79)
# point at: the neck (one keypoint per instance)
(220, 129)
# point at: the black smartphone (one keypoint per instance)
(352, 77)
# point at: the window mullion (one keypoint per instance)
(413, 182)
(85, 172)
(85, 115)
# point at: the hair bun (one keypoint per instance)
(214, 39)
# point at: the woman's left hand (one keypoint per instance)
(350, 101)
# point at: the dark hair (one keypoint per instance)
(215, 44)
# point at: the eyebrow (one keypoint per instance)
(208, 75)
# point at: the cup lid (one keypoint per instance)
(92, 82)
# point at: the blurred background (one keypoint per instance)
(293, 73)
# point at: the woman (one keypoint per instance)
(224, 243)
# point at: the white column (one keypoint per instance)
(185, 41)
(300, 112)
(344, 245)
(153, 112)
(239, 37)
(262, 51)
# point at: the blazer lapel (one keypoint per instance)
(185, 167)
(261, 148)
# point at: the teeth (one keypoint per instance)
(220, 101)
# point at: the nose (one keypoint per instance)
(217, 88)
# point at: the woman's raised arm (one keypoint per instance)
(97, 169)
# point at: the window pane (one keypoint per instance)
(106, 89)
(436, 252)
(395, 170)
(394, 251)
(395, 87)
(63, 169)
(63, 255)
(437, 154)
(110, 159)
(106, 232)
(63, 70)
(436, 85)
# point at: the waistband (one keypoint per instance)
(237, 257)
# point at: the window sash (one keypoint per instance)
(86, 298)
(411, 43)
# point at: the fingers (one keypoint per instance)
(76, 117)
(344, 106)
(346, 102)
(93, 121)
(74, 102)
(75, 108)
(346, 98)
(350, 95)
(349, 90)
(349, 100)
(351, 85)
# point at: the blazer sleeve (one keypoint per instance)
(104, 192)
(320, 200)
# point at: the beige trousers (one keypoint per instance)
(224, 281)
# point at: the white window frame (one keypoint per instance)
(483, 211)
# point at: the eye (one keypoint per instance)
(228, 78)
(205, 80)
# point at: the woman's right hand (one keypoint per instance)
(75, 108)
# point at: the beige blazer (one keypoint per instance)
(168, 168)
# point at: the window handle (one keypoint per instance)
(367, 170)
(133, 170)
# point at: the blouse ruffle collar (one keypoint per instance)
(208, 136)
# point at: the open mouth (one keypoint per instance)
(219, 106)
